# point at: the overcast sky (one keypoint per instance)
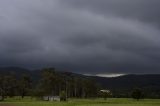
(84, 36)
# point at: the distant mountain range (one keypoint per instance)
(150, 83)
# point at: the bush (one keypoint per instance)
(63, 96)
(1, 98)
(105, 93)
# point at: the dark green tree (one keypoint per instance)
(25, 85)
(11, 85)
(8, 86)
(1, 88)
(90, 88)
(49, 81)
(137, 94)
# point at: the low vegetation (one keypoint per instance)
(27, 101)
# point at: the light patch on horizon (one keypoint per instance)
(109, 75)
(106, 75)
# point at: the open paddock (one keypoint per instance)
(81, 102)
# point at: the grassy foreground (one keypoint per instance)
(82, 102)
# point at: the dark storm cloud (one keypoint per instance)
(144, 10)
(98, 36)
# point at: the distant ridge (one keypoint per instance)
(150, 83)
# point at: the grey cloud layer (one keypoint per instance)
(102, 36)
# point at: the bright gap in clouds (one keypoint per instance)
(110, 75)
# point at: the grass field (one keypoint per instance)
(82, 102)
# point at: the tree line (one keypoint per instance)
(51, 83)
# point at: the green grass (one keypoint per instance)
(82, 102)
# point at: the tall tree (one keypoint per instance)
(11, 85)
(8, 86)
(25, 85)
(137, 94)
(49, 81)
(2, 87)
(90, 88)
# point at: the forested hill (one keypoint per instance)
(130, 81)
(34, 74)
(150, 83)
(121, 86)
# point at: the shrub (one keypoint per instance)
(63, 96)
